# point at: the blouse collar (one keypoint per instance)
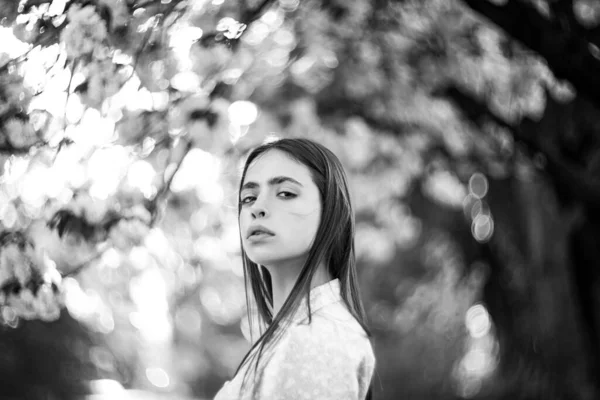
(320, 296)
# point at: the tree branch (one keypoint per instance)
(79, 267)
(250, 16)
(581, 185)
(164, 190)
(567, 54)
(564, 16)
(9, 148)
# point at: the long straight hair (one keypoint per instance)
(334, 244)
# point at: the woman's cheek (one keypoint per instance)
(244, 223)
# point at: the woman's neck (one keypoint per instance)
(284, 279)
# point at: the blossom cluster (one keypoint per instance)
(103, 80)
(29, 282)
(118, 12)
(90, 209)
(204, 120)
(14, 101)
(125, 228)
(19, 133)
(131, 230)
(85, 32)
(14, 96)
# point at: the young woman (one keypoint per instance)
(297, 237)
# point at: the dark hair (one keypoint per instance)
(334, 243)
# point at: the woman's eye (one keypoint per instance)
(247, 199)
(289, 195)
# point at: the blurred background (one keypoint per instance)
(469, 130)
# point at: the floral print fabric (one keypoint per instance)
(329, 358)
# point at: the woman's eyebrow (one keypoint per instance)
(273, 181)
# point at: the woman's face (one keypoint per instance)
(278, 193)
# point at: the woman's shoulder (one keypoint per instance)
(329, 356)
(331, 329)
(334, 316)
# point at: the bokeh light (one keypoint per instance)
(141, 176)
(444, 187)
(482, 228)
(478, 185)
(148, 292)
(198, 169)
(243, 112)
(12, 46)
(478, 321)
(158, 377)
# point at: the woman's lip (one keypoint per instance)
(261, 231)
(260, 236)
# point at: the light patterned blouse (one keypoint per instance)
(330, 358)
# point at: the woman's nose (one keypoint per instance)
(259, 209)
(259, 212)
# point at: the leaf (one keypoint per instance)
(65, 222)
(82, 87)
(208, 115)
(17, 237)
(215, 39)
(28, 4)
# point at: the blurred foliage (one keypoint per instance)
(471, 147)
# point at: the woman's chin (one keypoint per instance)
(262, 260)
(266, 257)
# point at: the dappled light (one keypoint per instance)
(470, 144)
